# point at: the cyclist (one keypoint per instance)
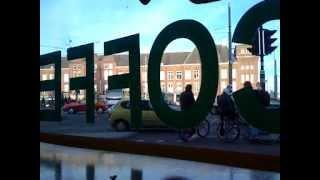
(226, 106)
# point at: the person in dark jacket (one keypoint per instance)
(247, 84)
(226, 106)
(43, 102)
(263, 96)
(187, 98)
(264, 99)
(186, 101)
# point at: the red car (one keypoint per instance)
(75, 107)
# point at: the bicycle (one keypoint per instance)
(202, 131)
(229, 129)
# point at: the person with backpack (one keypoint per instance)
(226, 107)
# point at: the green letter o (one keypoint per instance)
(202, 39)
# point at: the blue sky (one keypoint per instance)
(84, 21)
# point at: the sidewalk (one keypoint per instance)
(76, 132)
(76, 125)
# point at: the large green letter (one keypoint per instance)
(260, 117)
(256, 16)
(130, 80)
(265, 118)
(87, 83)
(52, 58)
(201, 37)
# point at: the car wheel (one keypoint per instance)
(121, 125)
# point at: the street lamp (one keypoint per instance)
(230, 44)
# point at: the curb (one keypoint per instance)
(206, 155)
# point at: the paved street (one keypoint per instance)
(74, 124)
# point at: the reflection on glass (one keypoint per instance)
(50, 169)
(90, 172)
(83, 164)
(136, 174)
(175, 178)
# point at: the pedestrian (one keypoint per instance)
(69, 100)
(43, 102)
(186, 101)
(187, 98)
(247, 84)
(263, 96)
(65, 100)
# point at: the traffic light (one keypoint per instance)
(268, 41)
(254, 49)
(265, 36)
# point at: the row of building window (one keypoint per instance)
(224, 73)
(244, 52)
(170, 87)
(179, 75)
(247, 77)
(76, 67)
(246, 67)
(244, 77)
(66, 87)
(170, 74)
(75, 74)
(179, 87)
(109, 72)
(45, 77)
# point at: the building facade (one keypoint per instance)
(177, 70)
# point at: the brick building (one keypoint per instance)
(177, 70)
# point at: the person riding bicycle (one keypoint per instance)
(226, 107)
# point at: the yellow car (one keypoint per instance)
(119, 116)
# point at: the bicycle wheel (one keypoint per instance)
(186, 134)
(203, 129)
(229, 133)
